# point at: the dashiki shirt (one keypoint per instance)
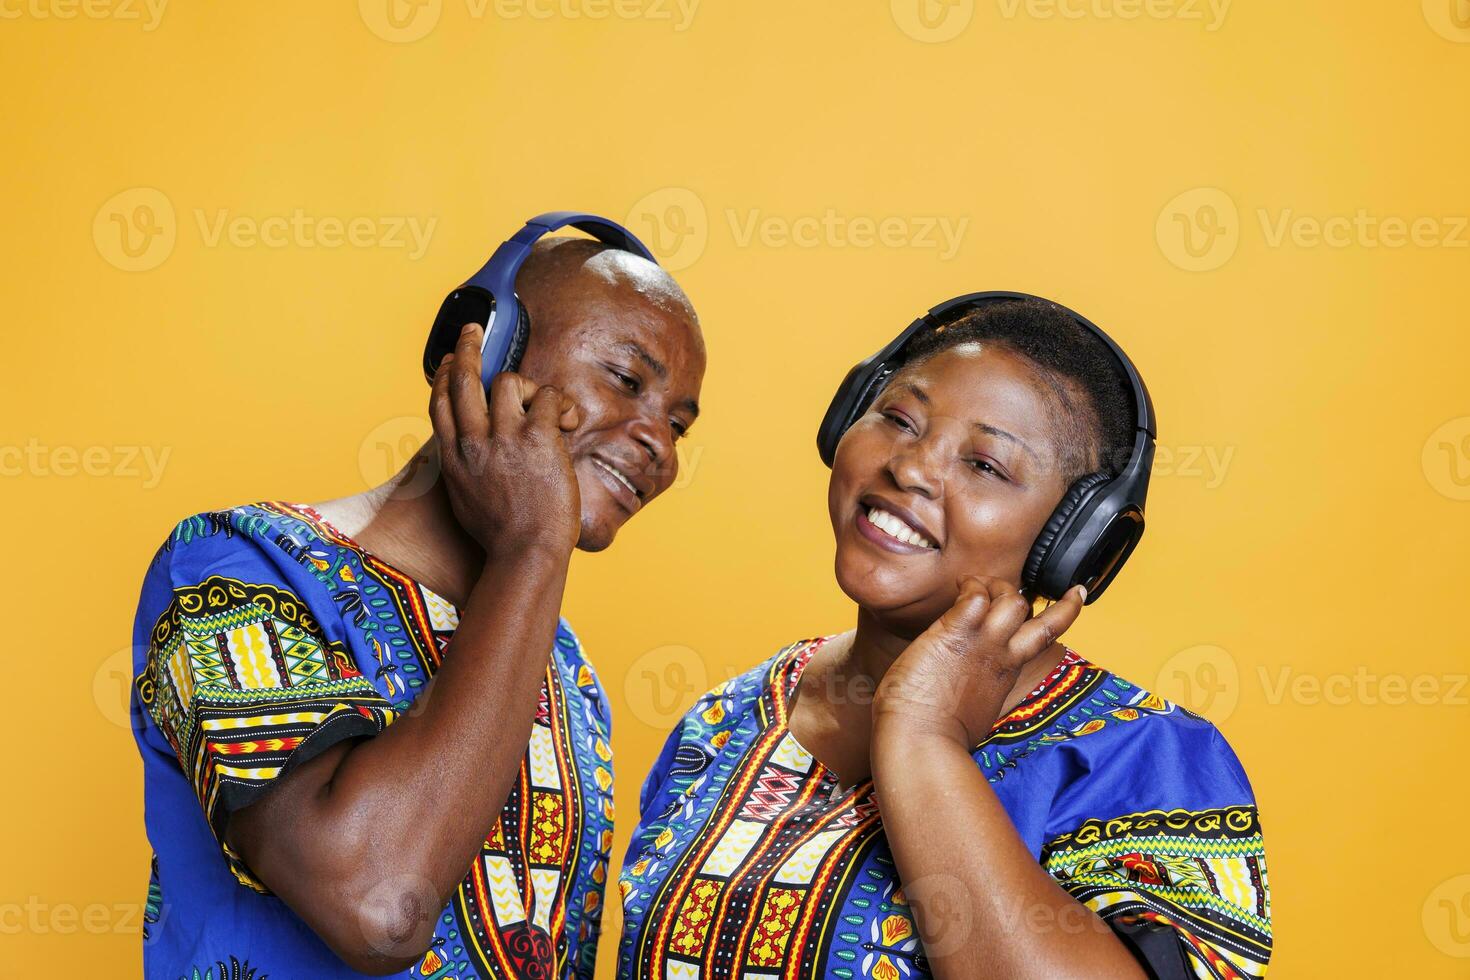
(264, 636)
(750, 862)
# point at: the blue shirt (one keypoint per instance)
(750, 861)
(263, 636)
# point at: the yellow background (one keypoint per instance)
(1332, 377)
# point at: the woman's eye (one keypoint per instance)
(899, 421)
(985, 466)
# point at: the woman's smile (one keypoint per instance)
(892, 528)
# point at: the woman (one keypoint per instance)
(946, 789)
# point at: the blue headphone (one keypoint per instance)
(489, 297)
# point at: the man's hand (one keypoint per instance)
(505, 464)
(953, 679)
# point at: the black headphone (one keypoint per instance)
(1100, 518)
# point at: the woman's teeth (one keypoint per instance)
(896, 528)
(619, 476)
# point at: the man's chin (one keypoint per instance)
(597, 533)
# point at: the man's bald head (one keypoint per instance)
(561, 269)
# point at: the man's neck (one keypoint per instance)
(409, 523)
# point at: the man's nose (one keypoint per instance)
(657, 441)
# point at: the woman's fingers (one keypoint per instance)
(1038, 634)
(967, 613)
(1008, 610)
(466, 390)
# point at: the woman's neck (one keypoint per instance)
(832, 715)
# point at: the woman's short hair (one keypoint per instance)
(1097, 416)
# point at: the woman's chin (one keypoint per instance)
(882, 591)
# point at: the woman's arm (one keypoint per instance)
(984, 906)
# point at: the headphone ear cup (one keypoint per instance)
(1076, 494)
(519, 341)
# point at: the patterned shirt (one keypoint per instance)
(264, 636)
(750, 861)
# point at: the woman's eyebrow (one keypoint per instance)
(985, 427)
(991, 430)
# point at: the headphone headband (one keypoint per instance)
(489, 296)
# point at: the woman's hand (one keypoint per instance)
(505, 463)
(953, 679)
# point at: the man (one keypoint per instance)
(402, 757)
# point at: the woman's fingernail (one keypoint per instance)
(1082, 591)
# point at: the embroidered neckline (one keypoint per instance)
(1051, 697)
(328, 531)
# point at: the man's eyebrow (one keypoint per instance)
(635, 349)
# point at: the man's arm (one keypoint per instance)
(367, 841)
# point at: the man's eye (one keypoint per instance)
(679, 428)
(627, 380)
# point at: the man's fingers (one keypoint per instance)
(510, 393)
(441, 412)
(1041, 632)
(466, 391)
(571, 415)
(546, 407)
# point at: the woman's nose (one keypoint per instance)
(915, 469)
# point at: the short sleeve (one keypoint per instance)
(243, 683)
(1184, 886)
